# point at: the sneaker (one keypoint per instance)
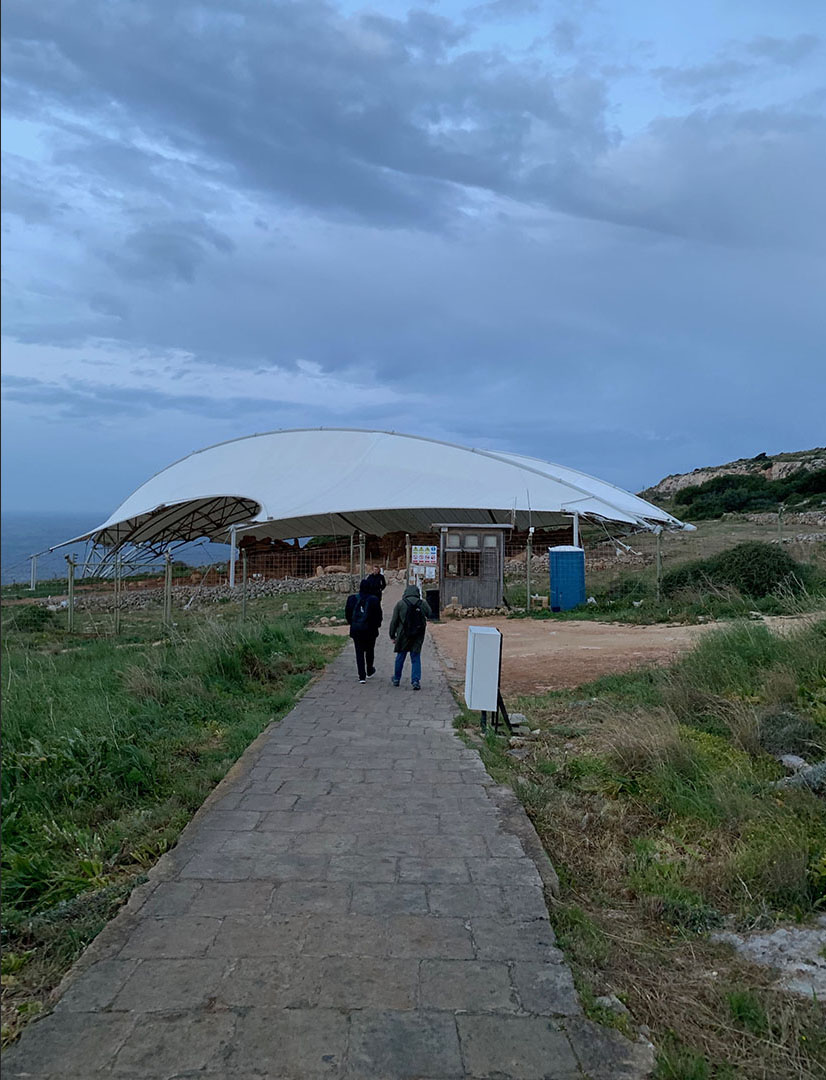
(362, 681)
(371, 673)
(395, 682)
(417, 686)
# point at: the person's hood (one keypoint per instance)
(366, 589)
(411, 591)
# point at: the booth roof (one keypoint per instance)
(308, 482)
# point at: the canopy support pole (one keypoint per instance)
(70, 614)
(362, 556)
(33, 584)
(407, 554)
(167, 591)
(233, 553)
(576, 530)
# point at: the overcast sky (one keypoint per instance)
(589, 231)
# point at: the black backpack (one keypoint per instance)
(359, 620)
(414, 621)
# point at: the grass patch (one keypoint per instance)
(656, 795)
(108, 751)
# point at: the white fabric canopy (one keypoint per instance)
(310, 482)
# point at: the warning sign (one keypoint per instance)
(425, 555)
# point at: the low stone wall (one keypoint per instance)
(183, 595)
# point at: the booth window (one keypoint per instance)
(491, 541)
(454, 541)
(471, 541)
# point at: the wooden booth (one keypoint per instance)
(472, 564)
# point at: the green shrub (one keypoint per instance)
(32, 617)
(754, 569)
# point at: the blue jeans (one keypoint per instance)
(415, 666)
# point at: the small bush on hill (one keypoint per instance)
(753, 569)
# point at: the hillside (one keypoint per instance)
(768, 467)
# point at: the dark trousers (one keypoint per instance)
(365, 645)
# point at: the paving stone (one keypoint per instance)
(290, 821)
(272, 982)
(296, 1043)
(346, 935)
(97, 987)
(253, 935)
(547, 989)
(362, 868)
(522, 1047)
(467, 985)
(161, 1046)
(264, 802)
(232, 820)
(83, 1042)
(222, 866)
(507, 872)
(363, 982)
(396, 898)
(324, 843)
(251, 844)
(403, 1045)
(425, 936)
(165, 985)
(219, 898)
(435, 871)
(171, 936)
(500, 939)
(290, 866)
(312, 897)
(172, 898)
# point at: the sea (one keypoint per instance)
(23, 534)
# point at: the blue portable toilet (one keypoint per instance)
(567, 569)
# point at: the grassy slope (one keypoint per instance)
(654, 794)
(109, 748)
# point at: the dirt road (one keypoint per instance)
(538, 656)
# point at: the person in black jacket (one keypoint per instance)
(377, 582)
(363, 615)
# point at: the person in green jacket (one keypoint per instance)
(407, 629)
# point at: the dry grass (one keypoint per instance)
(653, 793)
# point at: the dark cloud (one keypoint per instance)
(255, 185)
(167, 251)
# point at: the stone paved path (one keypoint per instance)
(348, 903)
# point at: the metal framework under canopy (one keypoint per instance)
(336, 481)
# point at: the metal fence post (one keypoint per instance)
(361, 556)
(659, 558)
(70, 614)
(243, 584)
(352, 543)
(33, 584)
(407, 554)
(167, 590)
(528, 557)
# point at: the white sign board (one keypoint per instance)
(430, 572)
(424, 554)
(484, 649)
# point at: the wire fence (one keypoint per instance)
(336, 564)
